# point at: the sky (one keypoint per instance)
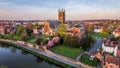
(48, 9)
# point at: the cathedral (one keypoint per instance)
(61, 15)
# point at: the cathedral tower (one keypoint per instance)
(61, 15)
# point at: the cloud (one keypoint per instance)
(75, 9)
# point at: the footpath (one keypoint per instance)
(50, 54)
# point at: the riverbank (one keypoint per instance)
(39, 53)
(48, 55)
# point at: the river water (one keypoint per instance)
(16, 58)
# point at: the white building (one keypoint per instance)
(109, 46)
(98, 30)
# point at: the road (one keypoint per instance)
(96, 45)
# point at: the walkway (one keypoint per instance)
(53, 55)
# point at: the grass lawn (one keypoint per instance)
(44, 36)
(16, 37)
(98, 35)
(32, 40)
(67, 51)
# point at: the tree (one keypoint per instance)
(87, 42)
(29, 25)
(20, 29)
(29, 31)
(38, 40)
(72, 41)
(89, 28)
(61, 29)
(24, 35)
(36, 25)
(106, 28)
(11, 35)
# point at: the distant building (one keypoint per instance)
(46, 29)
(61, 15)
(116, 32)
(36, 31)
(97, 28)
(6, 28)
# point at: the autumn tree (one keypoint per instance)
(29, 25)
(61, 29)
(89, 28)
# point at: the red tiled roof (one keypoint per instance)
(113, 60)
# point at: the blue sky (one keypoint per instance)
(47, 9)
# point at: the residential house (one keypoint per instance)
(116, 32)
(97, 28)
(109, 46)
(112, 62)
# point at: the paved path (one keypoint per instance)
(96, 45)
(53, 55)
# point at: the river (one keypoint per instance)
(16, 58)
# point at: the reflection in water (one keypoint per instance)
(16, 58)
(13, 50)
(4, 46)
(39, 60)
(24, 52)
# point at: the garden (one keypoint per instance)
(67, 51)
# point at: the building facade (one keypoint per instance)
(61, 15)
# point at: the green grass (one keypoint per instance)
(44, 36)
(32, 40)
(85, 59)
(67, 51)
(98, 35)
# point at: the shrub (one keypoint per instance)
(85, 59)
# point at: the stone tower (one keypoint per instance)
(61, 15)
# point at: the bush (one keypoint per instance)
(72, 41)
(85, 59)
(38, 41)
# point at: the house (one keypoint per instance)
(112, 62)
(97, 28)
(116, 32)
(6, 28)
(46, 29)
(36, 31)
(117, 51)
(109, 45)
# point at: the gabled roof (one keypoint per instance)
(113, 60)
